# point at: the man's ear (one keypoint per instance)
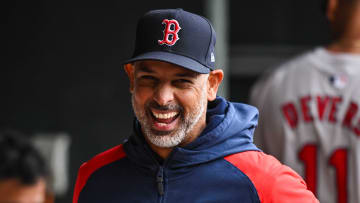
(214, 80)
(130, 71)
(332, 7)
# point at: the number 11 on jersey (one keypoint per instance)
(338, 160)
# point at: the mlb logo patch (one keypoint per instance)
(339, 81)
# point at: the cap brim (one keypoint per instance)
(176, 59)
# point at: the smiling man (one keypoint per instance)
(188, 145)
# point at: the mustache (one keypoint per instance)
(168, 107)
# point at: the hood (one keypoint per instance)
(229, 129)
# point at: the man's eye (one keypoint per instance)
(183, 81)
(148, 77)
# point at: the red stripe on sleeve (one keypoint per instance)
(273, 181)
(100, 160)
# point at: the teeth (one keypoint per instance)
(165, 115)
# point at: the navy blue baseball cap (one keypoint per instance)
(178, 37)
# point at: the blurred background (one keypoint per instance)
(61, 80)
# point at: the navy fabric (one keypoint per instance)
(194, 173)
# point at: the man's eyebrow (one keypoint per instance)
(188, 74)
(143, 68)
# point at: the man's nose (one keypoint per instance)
(164, 94)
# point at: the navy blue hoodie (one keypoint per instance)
(209, 169)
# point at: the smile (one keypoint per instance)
(164, 121)
(164, 115)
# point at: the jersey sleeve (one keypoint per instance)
(264, 95)
(273, 181)
(290, 187)
(259, 98)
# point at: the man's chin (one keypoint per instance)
(160, 132)
(164, 139)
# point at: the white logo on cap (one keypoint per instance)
(212, 57)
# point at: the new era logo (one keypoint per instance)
(212, 57)
(171, 30)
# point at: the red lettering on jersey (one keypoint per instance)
(170, 35)
(304, 101)
(350, 114)
(356, 129)
(322, 103)
(290, 114)
(333, 110)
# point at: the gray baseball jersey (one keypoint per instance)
(310, 120)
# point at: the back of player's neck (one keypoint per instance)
(345, 46)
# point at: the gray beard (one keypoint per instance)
(179, 135)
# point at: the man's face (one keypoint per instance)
(169, 101)
(13, 191)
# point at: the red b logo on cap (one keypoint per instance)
(170, 35)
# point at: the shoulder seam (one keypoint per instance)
(94, 164)
(250, 182)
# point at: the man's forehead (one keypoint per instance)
(153, 66)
